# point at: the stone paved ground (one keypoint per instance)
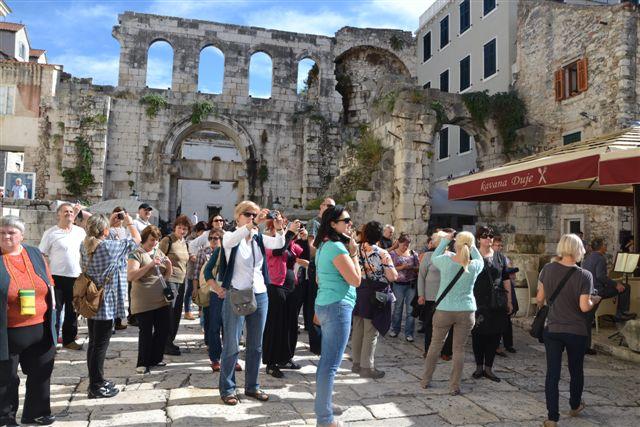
(185, 392)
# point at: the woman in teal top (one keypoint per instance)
(457, 308)
(338, 272)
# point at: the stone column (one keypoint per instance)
(186, 57)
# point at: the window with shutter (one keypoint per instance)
(559, 85)
(7, 97)
(444, 144)
(583, 82)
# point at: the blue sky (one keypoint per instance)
(77, 33)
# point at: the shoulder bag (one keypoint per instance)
(243, 301)
(201, 296)
(87, 295)
(540, 321)
(499, 295)
(379, 295)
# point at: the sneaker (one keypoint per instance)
(73, 346)
(215, 366)
(371, 373)
(189, 316)
(393, 334)
(576, 412)
(44, 420)
(410, 338)
(274, 371)
(142, 370)
(102, 393)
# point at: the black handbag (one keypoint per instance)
(377, 299)
(540, 321)
(499, 295)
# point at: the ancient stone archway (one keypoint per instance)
(175, 167)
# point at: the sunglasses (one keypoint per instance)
(214, 238)
(345, 220)
(486, 236)
(250, 214)
(219, 220)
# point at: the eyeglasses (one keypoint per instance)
(214, 238)
(345, 220)
(250, 214)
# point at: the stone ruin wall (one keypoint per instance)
(549, 36)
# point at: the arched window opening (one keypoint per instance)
(211, 70)
(160, 65)
(260, 75)
(308, 78)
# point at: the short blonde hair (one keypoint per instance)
(96, 224)
(243, 206)
(571, 245)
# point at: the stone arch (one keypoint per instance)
(361, 71)
(203, 82)
(171, 162)
(153, 82)
(256, 55)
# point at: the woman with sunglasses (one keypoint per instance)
(280, 333)
(243, 267)
(338, 272)
(490, 322)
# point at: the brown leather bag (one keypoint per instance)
(87, 295)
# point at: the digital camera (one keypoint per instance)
(168, 294)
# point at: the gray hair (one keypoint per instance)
(63, 205)
(389, 226)
(96, 224)
(13, 222)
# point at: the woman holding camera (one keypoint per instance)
(149, 301)
(491, 319)
(245, 278)
(105, 261)
(279, 331)
(338, 271)
(456, 308)
(175, 247)
(370, 321)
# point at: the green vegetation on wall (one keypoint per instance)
(505, 108)
(153, 102)
(79, 179)
(200, 111)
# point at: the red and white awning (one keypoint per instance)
(599, 171)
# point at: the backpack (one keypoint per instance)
(87, 295)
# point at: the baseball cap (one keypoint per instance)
(145, 206)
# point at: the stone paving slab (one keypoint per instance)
(185, 393)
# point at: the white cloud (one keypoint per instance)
(103, 68)
(323, 22)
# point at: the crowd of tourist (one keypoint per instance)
(250, 281)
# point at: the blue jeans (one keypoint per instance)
(404, 294)
(555, 344)
(213, 326)
(335, 321)
(231, 340)
(187, 296)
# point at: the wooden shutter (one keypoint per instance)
(583, 82)
(559, 84)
